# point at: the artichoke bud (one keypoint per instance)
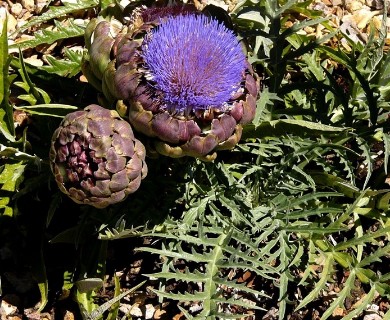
(95, 158)
(182, 76)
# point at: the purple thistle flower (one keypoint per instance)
(180, 77)
(194, 62)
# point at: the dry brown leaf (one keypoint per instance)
(338, 312)
(178, 316)
(158, 313)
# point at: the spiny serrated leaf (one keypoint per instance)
(198, 296)
(237, 302)
(113, 312)
(60, 11)
(242, 287)
(368, 162)
(178, 255)
(97, 313)
(284, 126)
(266, 99)
(16, 154)
(309, 212)
(361, 240)
(363, 302)
(288, 204)
(67, 67)
(327, 267)
(348, 286)
(195, 276)
(312, 228)
(63, 30)
(11, 176)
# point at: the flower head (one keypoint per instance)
(194, 62)
(181, 77)
(95, 158)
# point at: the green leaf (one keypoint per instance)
(39, 270)
(210, 287)
(34, 93)
(16, 154)
(348, 286)
(68, 67)
(63, 30)
(97, 313)
(337, 183)
(386, 141)
(6, 113)
(253, 16)
(327, 267)
(89, 284)
(284, 126)
(266, 98)
(59, 11)
(368, 162)
(51, 110)
(312, 228)
(361, 240)
(12, 176)
(364, 301)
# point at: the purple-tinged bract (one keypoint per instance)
(95, 158)
(181, 77)
(194, 61)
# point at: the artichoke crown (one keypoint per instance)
(95, 158)
(182, 78)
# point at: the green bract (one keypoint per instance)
(180, 110)
(95, 158)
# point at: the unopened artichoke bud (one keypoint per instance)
(95, 158)
(185, 81)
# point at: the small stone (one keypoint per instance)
(16, 9)
(34, 61)
(7, 308)
(309, 30)
(372, 316)
(353, 5)
(338, 312)
(377, 21)
(40, 5)
(159, 313)
(125, 308)
(28, 4)
(149, 311)
(11, 23)
(136, 311)
(363, 17)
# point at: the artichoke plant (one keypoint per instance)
(95, 158)
(181, 77)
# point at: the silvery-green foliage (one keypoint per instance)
(293, 191)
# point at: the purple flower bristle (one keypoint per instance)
(157, 13)
(194, 61)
